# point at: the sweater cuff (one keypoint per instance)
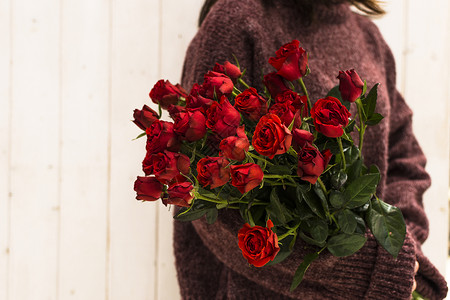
(430, 283)
(393, 277)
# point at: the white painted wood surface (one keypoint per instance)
(71, 73)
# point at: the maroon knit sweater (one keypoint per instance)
(209, 262)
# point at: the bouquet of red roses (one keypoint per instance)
(291, 168)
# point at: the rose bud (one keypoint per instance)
(274, 84)
(166, 165)
(251, 104)
(258, 244)
(234, 147)
(179, 194)
(223, 119)
(246, 177)
(271, 137)
(297, 101)
(286, 112)
(228, 69)
(148, 188)
(213, 171)
(291, 61)
(160, 136)
(300, 138)
(312, 163)
(350, 85)
(145, 117)
(330, 117)
(218, 84)
(190, 124)
(164, 93)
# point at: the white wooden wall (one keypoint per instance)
(71, 73)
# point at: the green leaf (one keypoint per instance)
(360, 190)
(318, 230)
(277, 211)
(370, 102)
(192, 214)
(347, 221)
(354, 170)
(310, 240)
(323, 199)
(338, 179)
(298, 277)
(345, 244)
(374, 119)
(336, 199)
(280, 170)
(139, 136)
(211, 215)
(285, 250)
(387, 225)
(334, 92)
(312, 200)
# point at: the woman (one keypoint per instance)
(209, 262)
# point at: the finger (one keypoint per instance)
(414, 286)
(416, 267)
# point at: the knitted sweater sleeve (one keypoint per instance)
(407, 180)
(371, 273)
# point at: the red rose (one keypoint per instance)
(286, 112)
(291, 61)
(234, 147)
(197, 99)
(160, 136)
(145, 117)
(164, 93)
(259, 245)
(251, 104)
(166, 165)
(148, 188)
(228, 69)
(330, 117)
(297, 101)
(271, 137)
(246, 177)
(223, 119)
(312, 163)
(217, 83)
(180, 194)
(274, 84)
(213, 171)
(350, 85)
(190, 124)
(300, 138)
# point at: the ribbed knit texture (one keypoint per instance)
(209, 262)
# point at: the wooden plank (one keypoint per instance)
(175, 40)
(134, 69)
(34, 150)
(5, 85)
(426, 89)
(86, 47)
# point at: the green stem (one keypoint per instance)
(305, 91)
(290, 232)
(344, 164)
(362, 126)
(273, 183)
(235, 89)
(259, 158)
(199, 196)
(324, 189)
(243, 83)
